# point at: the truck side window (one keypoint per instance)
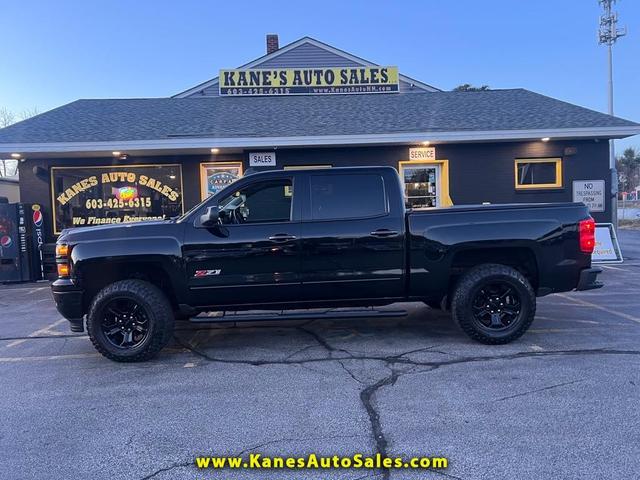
(336, 197)
(260, 202)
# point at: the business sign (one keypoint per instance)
(216, 176)
(305, 81)
(607, 248)
(422, 153)
(87, 196)
(591, 193)
(262, 159)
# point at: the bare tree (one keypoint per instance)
(9, 167)
(6, 117)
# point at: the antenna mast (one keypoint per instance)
(608, 35)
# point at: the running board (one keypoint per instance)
(210, 317)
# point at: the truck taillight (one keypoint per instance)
(63, 262)
(587, 235)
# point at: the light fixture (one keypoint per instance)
(115, 154)
(123, 156)
(545, 139)
(15, 155)
(172, 177)
(215, 151)
(426, 143)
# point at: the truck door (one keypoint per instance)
(353, 236)
(253, 255)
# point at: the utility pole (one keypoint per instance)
(608, 35)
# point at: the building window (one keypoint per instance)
(538, 173)
(215, 176)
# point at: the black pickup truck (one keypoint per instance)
(319, 238)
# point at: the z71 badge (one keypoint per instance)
(206, 273)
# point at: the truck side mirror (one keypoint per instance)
(210, 217)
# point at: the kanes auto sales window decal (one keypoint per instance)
(87, 196)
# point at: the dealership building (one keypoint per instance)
(309, 104)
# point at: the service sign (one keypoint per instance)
(607, 248)
(87, 196)
(305, 81)
(422, 153)
(591, 193)
(262, 159)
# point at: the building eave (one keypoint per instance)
(201, 144)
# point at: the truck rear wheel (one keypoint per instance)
(493, 304)
(130, 321)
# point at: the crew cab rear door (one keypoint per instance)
(253, 256)
(353, 235)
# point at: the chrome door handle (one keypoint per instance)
(282, 237)
(384, 232)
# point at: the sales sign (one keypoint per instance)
(305, 81)
(262, 159)
(591, 193)
(88, 196)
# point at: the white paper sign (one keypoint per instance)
(607, 249)
(422, 153)
(591, 193)
(262, 159)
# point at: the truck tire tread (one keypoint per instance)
(158, 307)
(478, 274)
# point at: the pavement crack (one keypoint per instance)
(367, 399)
(281, 440)
(167, 469)
(529, 392)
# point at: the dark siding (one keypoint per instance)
(481, 172)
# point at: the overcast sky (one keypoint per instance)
(54, 52)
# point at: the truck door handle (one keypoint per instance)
(384, 232)
(282, 237)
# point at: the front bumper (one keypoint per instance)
(588, 279)
(68, 298)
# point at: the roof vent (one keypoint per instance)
(272, 43)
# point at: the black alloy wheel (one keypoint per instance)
(496, 305)
(125, 323)
(130, 321)
(493, 304)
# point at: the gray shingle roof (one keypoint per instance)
(292, 116)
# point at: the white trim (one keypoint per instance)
(319, 140)
(291, 46)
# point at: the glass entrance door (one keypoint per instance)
(421, 184)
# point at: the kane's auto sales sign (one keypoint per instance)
(306, 81)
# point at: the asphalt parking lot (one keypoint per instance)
(562, 402)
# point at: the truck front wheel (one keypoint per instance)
(493, 304)
(130, 321)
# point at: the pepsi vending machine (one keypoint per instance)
(21, 239)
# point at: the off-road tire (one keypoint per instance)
(157, 308)
(468, 285)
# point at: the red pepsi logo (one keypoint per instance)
(6, 241)
(37, 218)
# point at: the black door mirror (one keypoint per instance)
(210, 217)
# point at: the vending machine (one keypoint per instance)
(21, 239)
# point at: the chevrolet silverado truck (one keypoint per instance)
(319, 238)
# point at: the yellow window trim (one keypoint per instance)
(203, 174)
(558, 182)
(445, 199)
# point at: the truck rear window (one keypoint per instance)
(336, 197)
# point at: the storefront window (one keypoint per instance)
(538, 173)
(215, 176)
(87, 196)
(420, 184)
